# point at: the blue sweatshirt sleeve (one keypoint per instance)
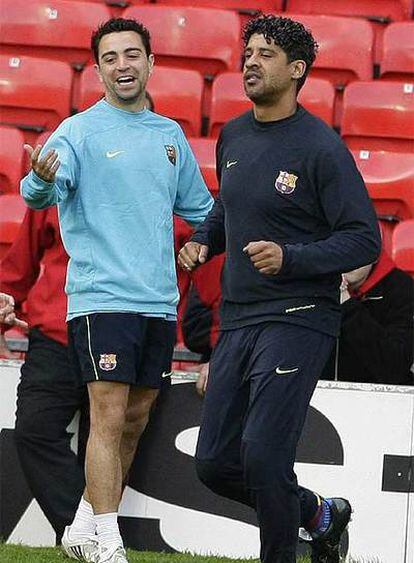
(193, 200)
(39, 194)
(355, 238)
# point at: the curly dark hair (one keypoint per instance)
(291, 36)
(115, 25)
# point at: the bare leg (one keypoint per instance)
(108, 406)
(140, 401)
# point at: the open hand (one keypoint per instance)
(47, 166)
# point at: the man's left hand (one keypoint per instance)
(266, 256)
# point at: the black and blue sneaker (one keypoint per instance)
(326, 545)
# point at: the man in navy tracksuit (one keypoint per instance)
(293, 214)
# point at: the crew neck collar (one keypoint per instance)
(136, 114)
(264, 125)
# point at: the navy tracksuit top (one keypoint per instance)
(293, 182)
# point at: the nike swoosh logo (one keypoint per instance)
(167, 374)
(374, 298)
(231, 163)
(112, 154)
(281, 371)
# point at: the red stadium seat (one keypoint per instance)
(57, 30)
(229, 100)
(403, 246)
(397, 61)
(345, 48)
(34, 93)
(379, 115)
(318, 97)
(237, 5)
(389, 177)
(89, 91)
(116, 7)
(205, 153)
(246, 9)
(12, 210)
(202, 39)
(176, 93)
(11, 159)
(377, 10)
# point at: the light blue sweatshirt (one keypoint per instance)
(122, 176)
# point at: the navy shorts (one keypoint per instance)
(123, 347)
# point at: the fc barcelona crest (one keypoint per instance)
(171, 153)
(107, 362)
(285, 183)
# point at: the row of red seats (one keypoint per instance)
(400, 244)
(379, 10)
(181, 38)
(376, 115)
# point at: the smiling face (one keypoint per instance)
(267, 73)
(124, 69)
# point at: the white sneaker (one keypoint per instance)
(115, 554)
(83, 549)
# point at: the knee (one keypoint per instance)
(27, 429)
(107, 420)
(268, 466)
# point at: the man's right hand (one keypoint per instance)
(192, 255)
(47, 166)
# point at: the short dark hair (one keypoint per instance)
(115, 25)
(291, 36)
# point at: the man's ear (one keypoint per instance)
(98, 72)
(151, 61)
(298, 69)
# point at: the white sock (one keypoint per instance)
(84, 522)
(107, 529)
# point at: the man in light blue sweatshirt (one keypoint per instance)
(117, 172)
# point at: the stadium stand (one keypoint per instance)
(34, 93)
(205, 153)
(345, 48)
(389, 177)
(116, 7)
(377, 10)
(379, 115)
(249, 6)
(11, 159)
(245, 8)
(176, 93)
(345, 51)
(228, 99)
(58, 30)
(397, 62)
(403, 246)
(12, 210)
(181, 38)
